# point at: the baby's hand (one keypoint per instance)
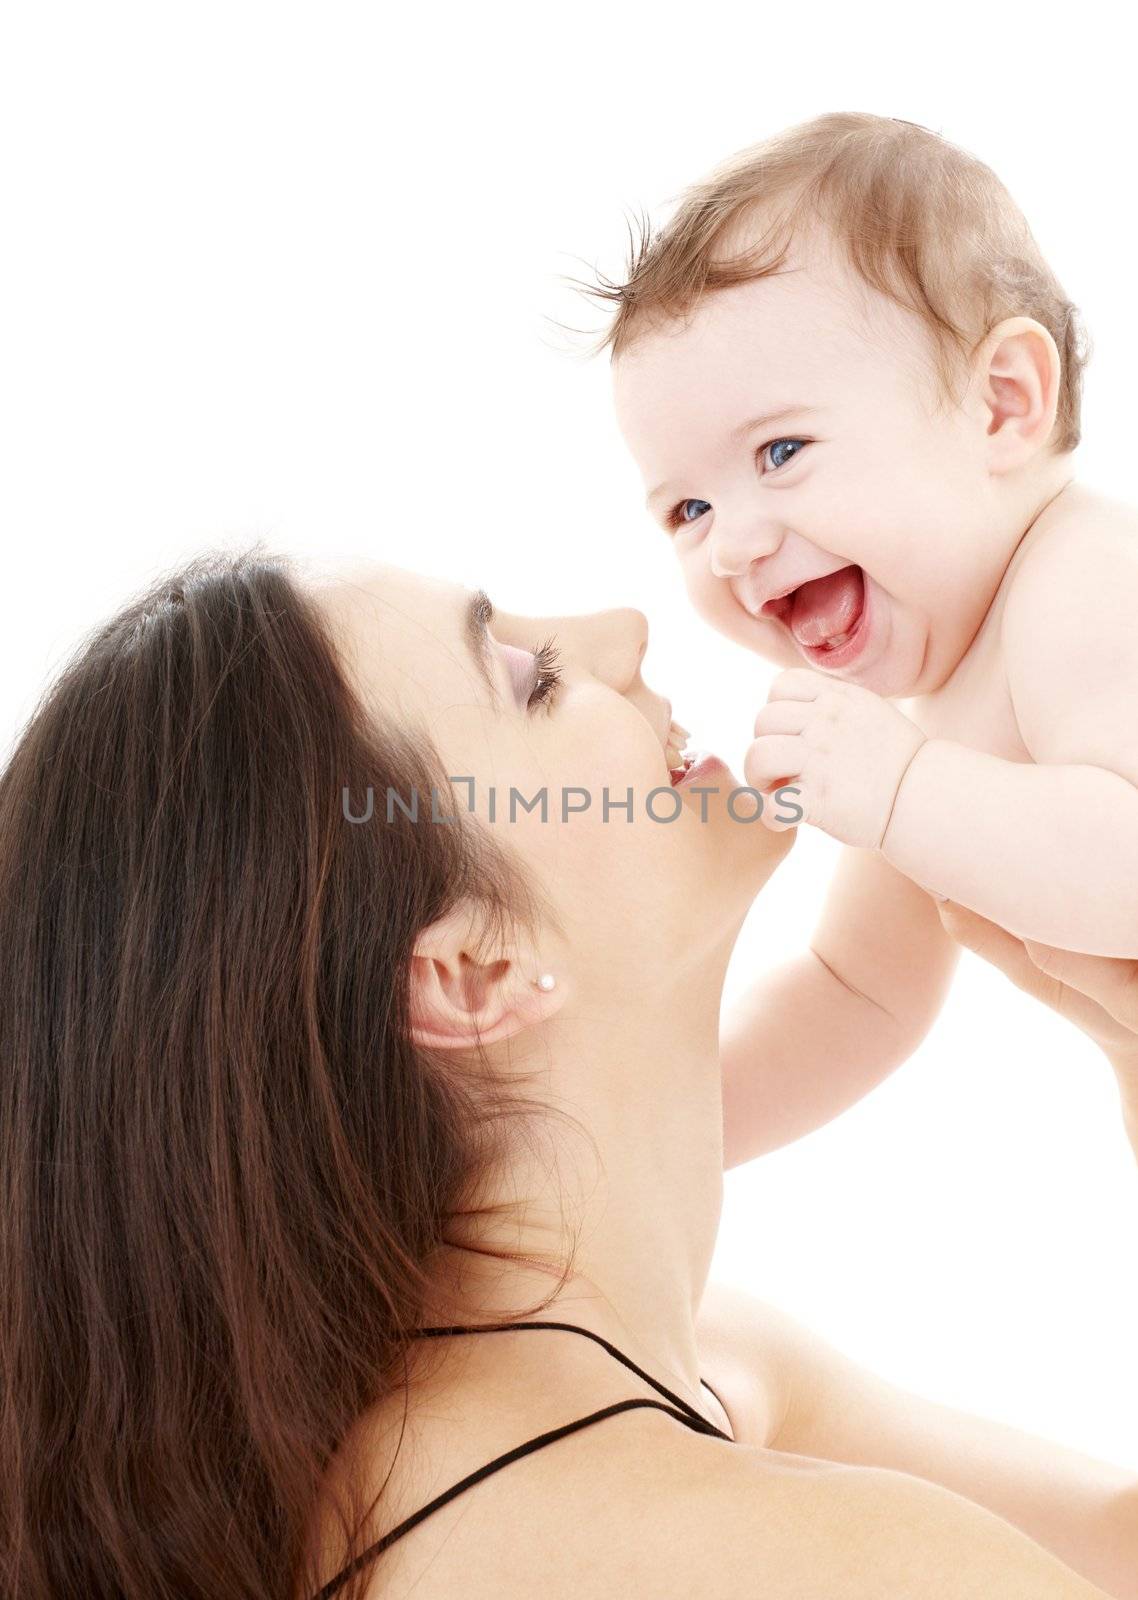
(843, 747)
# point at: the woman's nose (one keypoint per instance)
(608, 644)
(619, 640)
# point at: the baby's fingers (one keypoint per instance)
(798, 683)
(782, 716)
(772, 759)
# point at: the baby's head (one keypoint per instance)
(850, 382)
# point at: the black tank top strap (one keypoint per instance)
(543, 1439)
(681, 1411)
(618, 1355)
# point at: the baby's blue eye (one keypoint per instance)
(683, 505)
(774, 444)
(677, 517)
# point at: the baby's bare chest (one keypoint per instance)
(974, 707)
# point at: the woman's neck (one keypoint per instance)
(638, 1185)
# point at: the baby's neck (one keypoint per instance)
(1044, 490)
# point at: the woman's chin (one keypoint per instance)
(711, 789)
(743, 850)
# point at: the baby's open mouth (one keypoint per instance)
(822, 614)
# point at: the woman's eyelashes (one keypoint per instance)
(546, 674)
(675, 518)
(535, 674)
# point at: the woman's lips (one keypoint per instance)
(687, 764)
(702, 764)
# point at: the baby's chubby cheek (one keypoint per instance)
(718, 605)
(713, 598)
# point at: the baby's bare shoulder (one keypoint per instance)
(1078, 563)
(1067, 635)
(1081, 537)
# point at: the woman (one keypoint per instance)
(294, 1074)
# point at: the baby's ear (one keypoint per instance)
(464, 995)
(1019, 373)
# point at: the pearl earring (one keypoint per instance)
(547, 981)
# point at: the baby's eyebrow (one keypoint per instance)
(737, 433)
(771, 416)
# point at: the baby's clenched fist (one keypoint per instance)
(843, 748)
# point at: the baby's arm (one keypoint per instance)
(1049, 848)
(814, 1035)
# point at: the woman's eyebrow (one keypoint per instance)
(479, 615)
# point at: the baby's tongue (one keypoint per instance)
(826, 607)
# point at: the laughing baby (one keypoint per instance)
(852, 385)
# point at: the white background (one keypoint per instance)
(295, 272)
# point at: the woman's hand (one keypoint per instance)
(1099, 994)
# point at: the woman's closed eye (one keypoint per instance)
(536, 674)
(675, 518)
(546, 674)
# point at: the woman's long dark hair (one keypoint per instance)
(223, 1165)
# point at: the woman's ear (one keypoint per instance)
(461, 997)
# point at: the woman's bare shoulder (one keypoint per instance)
(770, 1521)
(746, 1355)
(639, 1503)
(751, 1522)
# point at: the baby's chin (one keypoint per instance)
(889, 665)
(879, 650)
(762, 635)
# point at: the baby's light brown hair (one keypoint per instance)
(919, 219)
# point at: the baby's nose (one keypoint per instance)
(735, 546)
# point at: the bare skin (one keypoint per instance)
(643, 920)
(973, 736)
(1099, 995)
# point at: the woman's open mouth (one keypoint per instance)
(828, 617)
(676, 756)
(685, 760)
